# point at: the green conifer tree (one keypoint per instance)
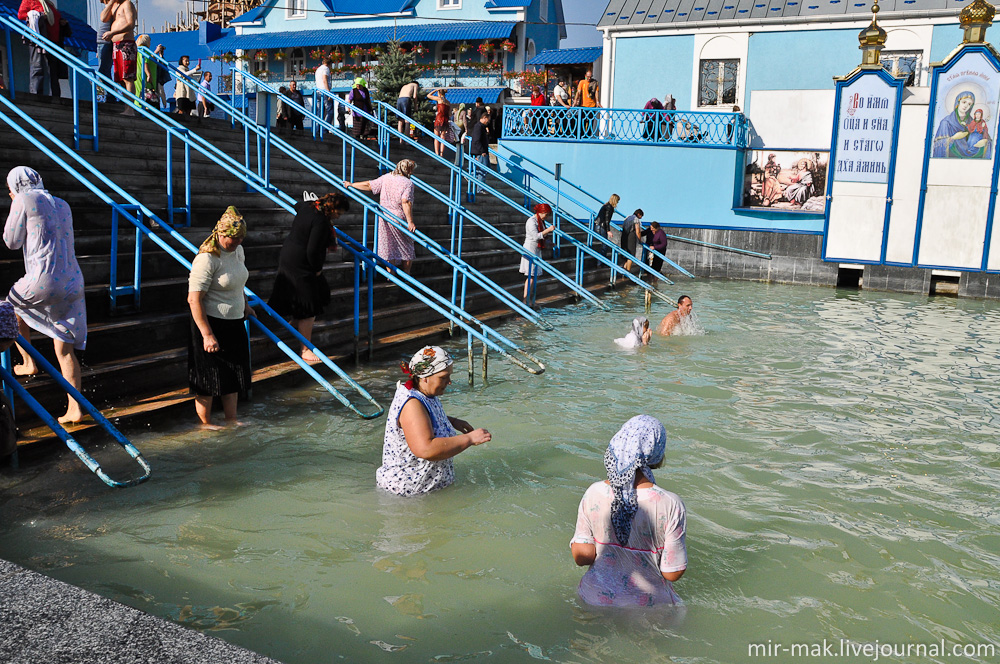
(394, 70)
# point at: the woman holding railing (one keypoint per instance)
(442, 121)
(395, 195)
(534, 241)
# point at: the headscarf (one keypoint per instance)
(428, 361)
(637, 325)
(405, 167)
(640, 443)
(230, 225)
(22, 179)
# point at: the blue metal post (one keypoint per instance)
(10, 66)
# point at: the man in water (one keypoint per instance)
(670, 322)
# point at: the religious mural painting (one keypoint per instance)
(789, 180)
(965, 112)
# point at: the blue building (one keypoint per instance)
(458, 42)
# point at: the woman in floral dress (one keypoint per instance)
(395, 195)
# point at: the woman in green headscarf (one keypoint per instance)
(219, 350)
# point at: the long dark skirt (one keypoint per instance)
(224, 372)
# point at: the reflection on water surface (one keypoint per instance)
(837, 454)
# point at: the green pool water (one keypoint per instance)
(838, 454)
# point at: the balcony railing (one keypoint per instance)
(600, 125)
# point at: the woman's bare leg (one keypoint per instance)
(229, 407)
(70, 368)
(203, 408)
(27, 366)
(305, 328)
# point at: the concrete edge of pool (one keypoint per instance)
(45, 620)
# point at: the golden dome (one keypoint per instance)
(978, 11)
(872, 39)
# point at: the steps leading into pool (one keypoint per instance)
(135, 361)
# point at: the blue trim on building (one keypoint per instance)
(367, 8)
(469, 95)
(567, 56)
(474, 30)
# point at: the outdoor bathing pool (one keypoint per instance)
(838, 453)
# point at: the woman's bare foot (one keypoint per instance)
(25, 370)
(76, 416)
(207, 426)
(310, 356)
(235, 423)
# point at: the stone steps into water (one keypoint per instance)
(136, 358)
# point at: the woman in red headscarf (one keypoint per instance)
(534, 241)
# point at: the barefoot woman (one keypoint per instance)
(49, 297)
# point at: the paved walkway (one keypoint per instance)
(44, 621)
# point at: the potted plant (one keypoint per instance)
(420, 49)
(508, 46)
(260, 56)
(280, 55)
(228, 57)
(464, 47)
(357, 52)
(336, 56)
(486, 48)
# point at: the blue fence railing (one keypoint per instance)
(13, 387)
(132, 208)
(616, 125)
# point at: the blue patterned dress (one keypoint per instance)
(402, 472)
(50, 296)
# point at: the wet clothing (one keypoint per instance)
(532, 240)
(402, 472)
(50, 296)
(300, 289)
(632, 575)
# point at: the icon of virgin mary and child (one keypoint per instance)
(963, 134)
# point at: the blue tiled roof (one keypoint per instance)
(367, 7)
(567, 56)
(176, 44)
(423, 32)
(84, 37)
(468, 95)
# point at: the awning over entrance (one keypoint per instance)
(421, 32)
(566, 56)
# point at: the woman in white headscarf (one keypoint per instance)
(395, 195)
(420, 440)
(49, 298)
(629, 532)
(639, 335)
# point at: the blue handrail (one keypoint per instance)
(58, 428)
(582, 249)
(459, 266)
(458, 212)
(679, 238)
(700, 129)
(257, 183)
(143, 108)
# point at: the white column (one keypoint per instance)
(607, 72)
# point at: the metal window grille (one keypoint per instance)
(903, 64)
(717, 82)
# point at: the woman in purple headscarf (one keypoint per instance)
(630, 532)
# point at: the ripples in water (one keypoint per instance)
(837, 453)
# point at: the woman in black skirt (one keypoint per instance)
(300, 289)
(219, 350)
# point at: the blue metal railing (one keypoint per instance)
(255, 182)
(620, 125)
(144, 109)
(473, 182)
(460, 267)
(15, 386)
(521, 159)
(457, 211)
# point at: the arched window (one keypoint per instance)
(449, 53)
(529, 50)
(296, 61)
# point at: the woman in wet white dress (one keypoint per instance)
(49, 298)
